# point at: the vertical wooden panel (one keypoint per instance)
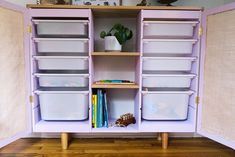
(218, 104)
(12, 76)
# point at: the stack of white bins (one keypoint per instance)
(62, 62)
(166, 70)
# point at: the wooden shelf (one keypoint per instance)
(114, 11)
(39, 6)
(121, 86)
(115, 54)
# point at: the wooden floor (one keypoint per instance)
(188, 147)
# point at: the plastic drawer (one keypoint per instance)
(63, 80)
(165, 105)
(62, 63)
(179, 29)
(65, 45)
(168, 46)
(61, 27)
(63, 105)
(167, 80)
(168, 63)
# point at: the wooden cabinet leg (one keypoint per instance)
(64, 140)
(164, 140)
(159, 137)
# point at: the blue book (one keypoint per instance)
(105, 111)
(98, 109)
(100, 99)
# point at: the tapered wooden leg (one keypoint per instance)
(159, 137)
(64, 140)
(164, 140)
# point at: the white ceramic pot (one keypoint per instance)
(112, 44)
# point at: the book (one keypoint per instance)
(105, 110)
(100, 108)
(95, 111)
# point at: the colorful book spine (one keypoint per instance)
(105, 111)
(100, 108)
(95, 111)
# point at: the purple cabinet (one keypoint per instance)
(185, 58)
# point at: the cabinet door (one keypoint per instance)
(216, 110)
(13, 87)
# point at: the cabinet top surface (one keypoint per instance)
(136, 8)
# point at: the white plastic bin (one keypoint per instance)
(183, 29)
(65, 45)
(167, 80)
(63, 105)
(168, 63)
(63, 80)
(168, 46)
(165, 105)
(62, 63)
(61, 27)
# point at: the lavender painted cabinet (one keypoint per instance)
(183, 71)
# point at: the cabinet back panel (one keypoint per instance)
(114, 68)
(120, 102)
(12, 66)
(219, 76)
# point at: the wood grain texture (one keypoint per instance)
(114, 11)
(115, 54)
(41, 6)
(183, 147)
(118, 86)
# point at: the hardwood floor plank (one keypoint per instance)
(178, 147)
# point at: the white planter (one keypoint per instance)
(112, 44)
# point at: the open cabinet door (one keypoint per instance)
(216, 110)
(14, 113)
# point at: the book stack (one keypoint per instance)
(99, 109)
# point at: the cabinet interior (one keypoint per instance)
(67, 55)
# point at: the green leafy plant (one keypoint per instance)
(120, 32)
(167, 2)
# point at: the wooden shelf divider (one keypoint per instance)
(115, 54)
(120, 86)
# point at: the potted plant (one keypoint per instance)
(116, 37)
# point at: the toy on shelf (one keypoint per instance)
(125, 120)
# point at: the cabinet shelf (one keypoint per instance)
(115, 54)
(115, 85)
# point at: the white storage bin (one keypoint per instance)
(168, 46)
(167, 80)
(63, 80)
(65, 45)
(183, 29)
(168, 63)
(63, 105)
(62, 63)
(165, 105)
(61, 27)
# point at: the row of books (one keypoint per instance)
(99, 109)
